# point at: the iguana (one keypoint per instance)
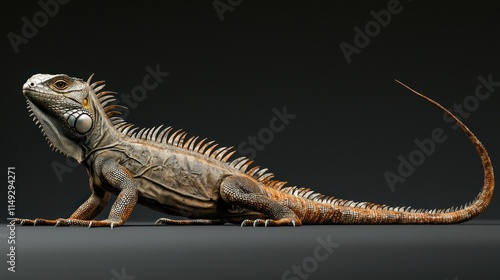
(167, 171)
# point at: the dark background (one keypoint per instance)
(352, 120)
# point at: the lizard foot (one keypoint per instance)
(37, 222)
(90, 223)
(69, 222)
(269, 222)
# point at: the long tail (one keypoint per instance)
(314, 208)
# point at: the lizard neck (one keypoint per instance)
(103, 136)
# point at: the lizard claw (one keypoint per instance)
(246, 223)
(271, 222)
(257, 223)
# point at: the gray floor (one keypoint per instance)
(140, 251)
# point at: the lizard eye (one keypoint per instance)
(85, 102)
(60, 84)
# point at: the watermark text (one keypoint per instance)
(11, 225)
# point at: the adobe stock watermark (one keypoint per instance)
(139, 93)
(427, 147)
(30, 27)
(363, 37)
(310, 264)
(121, 276)
(222, 7)
(265, 135)
(11, 255)
(11, 225)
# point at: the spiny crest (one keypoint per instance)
(242, 164)
(177, 138)
(106, 98)
(314, 196)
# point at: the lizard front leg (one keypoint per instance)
(119, 177)
(115, 175)
(88, 210)
(247, 194)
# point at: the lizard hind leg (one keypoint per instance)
(245, 193)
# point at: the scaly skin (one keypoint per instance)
(163, 170)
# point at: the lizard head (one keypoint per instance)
(66, 109)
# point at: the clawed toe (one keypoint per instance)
(256, 223)
(163, 221)
(270, 222)
(69, 222)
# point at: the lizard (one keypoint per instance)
(169, 172)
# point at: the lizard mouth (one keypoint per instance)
(38, 98)
(77, 119)
(42, 116)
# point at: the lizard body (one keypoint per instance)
(167, 171)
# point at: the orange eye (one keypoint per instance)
(85, 101)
